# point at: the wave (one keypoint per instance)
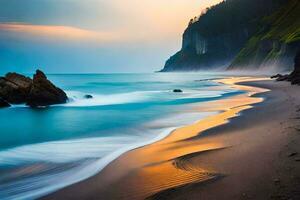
(50, 166)
(34, 170)
(55, 177)
(77, 99)
(64, 151)
(123, 84)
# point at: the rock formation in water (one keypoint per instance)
(3, 103)
(241, 34)
(177, 91)
(88, 96)
(14, 88)
(44, 93)
(39, 91)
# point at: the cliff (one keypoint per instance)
(240, 34)
(275, 44)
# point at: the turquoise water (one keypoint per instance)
(76, 140)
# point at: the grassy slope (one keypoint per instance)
(282, 27)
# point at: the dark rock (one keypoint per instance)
(44, 93)
(3, 103)
(17, 89)
(14, 88)
(276, 181)
(88, 96)
(294, 77)
(282, 77)
(177, 91)
(276, 76)
(295, 81)
(293, 154)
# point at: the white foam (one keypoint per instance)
(93, 153)
(63, 151)
(77, 98)
(33, 187)
(205, 93)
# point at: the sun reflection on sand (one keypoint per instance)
(168, 163)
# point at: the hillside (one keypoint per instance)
(240, 34)
(276, 43)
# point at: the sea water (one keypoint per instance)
(43, 150)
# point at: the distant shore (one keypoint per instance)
(255, 156)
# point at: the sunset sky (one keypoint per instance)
(76, 36)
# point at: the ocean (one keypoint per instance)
(43, 150)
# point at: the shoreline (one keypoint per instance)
(95, 168)
(143, 161)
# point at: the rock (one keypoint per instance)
(276, 76)
(295, 81)
(44, 93)
(88, 96)
(3, 103)
(293, 154)
(177, 91)
(282, 77)
(17, 89)
(276, 180)
(14, 88)
(294, 77)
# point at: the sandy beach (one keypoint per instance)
(249, 150)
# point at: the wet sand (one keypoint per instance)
(252, 157)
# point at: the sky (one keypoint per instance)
(92, 36)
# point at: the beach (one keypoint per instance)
(64, 144)
(246, 151)
(150, 100)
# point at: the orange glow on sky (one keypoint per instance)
(131, 35)
(66, 32)
(136, 20)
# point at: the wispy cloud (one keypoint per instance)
(57, 32)
(105, 35)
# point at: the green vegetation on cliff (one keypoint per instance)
(232, 15)
(277, 39)
(240, 34)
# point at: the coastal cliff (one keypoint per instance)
(275, 44)
(240, 34)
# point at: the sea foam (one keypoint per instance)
(36, 184)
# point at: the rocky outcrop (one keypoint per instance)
(3, 103)
(241, 35)
(39, 91)
(280, 77)
(44, 93)
(14, 88)
(177, 91)
(206, 52)
(88, 96)
(294, 77)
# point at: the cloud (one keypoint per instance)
(57, 32)
(92, 35)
